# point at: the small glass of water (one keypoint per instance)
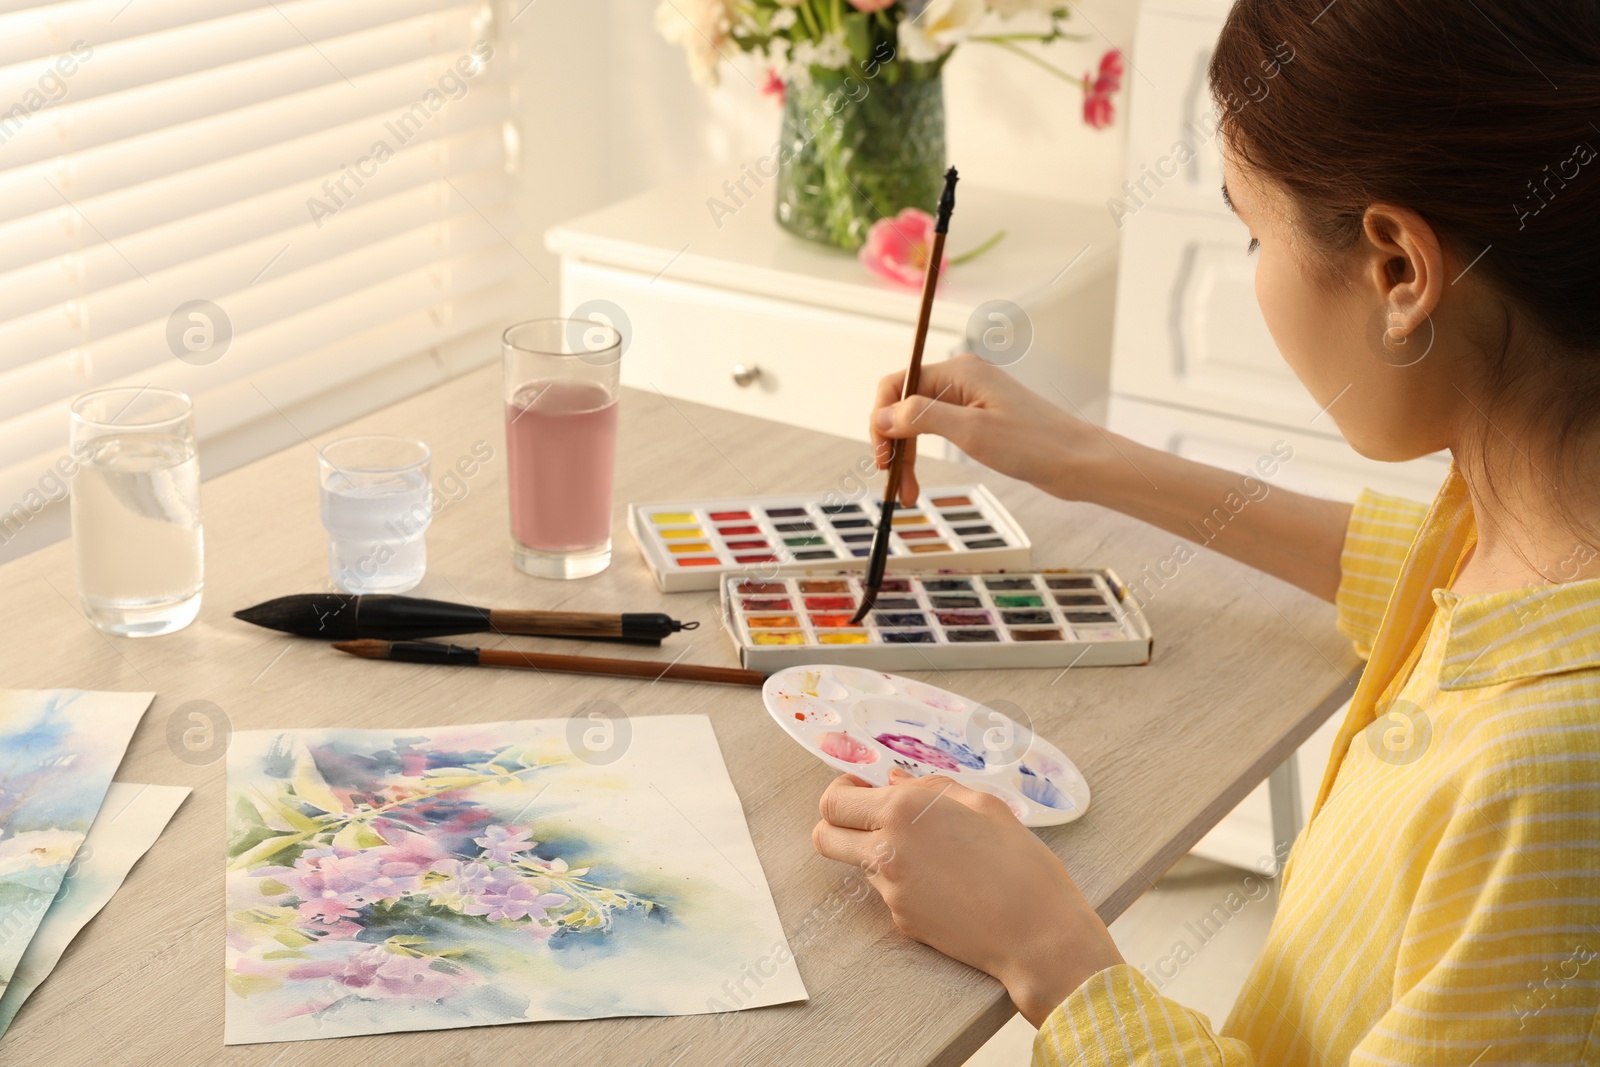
(136, 532)
(377, 502)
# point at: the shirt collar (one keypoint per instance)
(1519, 633)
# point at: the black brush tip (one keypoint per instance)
(330, 616)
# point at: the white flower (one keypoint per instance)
(782, 20)
(941, 26)
(1007, 8)
(830, 53)
(701, 27)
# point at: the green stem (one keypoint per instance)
(838, 15)
(980, 250)
(810, 19)
(1030, 57)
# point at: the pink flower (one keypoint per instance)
(333, 884)
(327, 910)
(1097, 111)
(1098, 89)
(1111, 68)
(898, 248)
(870, 6)
(504, 842)
(774, 86)
(378, 973)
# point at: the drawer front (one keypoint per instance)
(815, 367)
(1321, 466)
(1173, 156)
(1188, 329)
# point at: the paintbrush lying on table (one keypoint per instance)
(456, 655)
(343, 617)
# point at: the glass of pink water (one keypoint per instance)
(561, 389)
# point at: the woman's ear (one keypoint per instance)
(1403, 263)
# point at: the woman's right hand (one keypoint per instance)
(993, 418)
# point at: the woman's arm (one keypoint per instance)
(1002, 424)
(960, 873)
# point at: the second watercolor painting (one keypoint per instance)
(394, 880)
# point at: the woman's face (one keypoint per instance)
(1376, 375)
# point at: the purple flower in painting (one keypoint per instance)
(333, 884)
(509, 895)
(502, 843)
(465, 876)
(377, 972)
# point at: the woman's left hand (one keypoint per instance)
(960, 873)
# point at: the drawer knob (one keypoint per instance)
(744, 375)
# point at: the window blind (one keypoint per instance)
(257, 203)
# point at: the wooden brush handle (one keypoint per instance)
(556, 623)
(628, 668)
(930, 282)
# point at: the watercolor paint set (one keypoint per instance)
(867, 723)
(694, 545)
(943, 621)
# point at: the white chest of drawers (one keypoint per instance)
(742, 315)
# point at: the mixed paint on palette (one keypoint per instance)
(937, 621)
(58, 751)
(689, 545)
(388, 880)
(869, 723)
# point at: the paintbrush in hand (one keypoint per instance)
(897, 449)
(343, 617)
(456, 655)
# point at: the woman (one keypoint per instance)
(1420, 187)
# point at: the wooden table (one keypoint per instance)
(1244, 670)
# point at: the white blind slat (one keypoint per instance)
(332, 173)
(240, 93)
(48, 282)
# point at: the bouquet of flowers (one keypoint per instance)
(863, 130)
(914, 37)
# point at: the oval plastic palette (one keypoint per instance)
(866, 723)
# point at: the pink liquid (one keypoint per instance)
(560, 440)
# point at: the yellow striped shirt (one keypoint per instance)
(1443, 904)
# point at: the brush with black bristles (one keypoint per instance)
(346, 617)
(897, 449)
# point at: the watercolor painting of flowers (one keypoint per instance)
(393, 880)
(58, 751)
(140, 813)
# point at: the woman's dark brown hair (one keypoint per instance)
(1481, 116)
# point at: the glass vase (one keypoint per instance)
(857, 149)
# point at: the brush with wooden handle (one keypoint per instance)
(456, 655)
(344, 617)
(897, 449)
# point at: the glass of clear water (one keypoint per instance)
(136, 532)
(377, 503)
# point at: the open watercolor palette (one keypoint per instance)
(690, 546)
(867, 723)
(944, 621)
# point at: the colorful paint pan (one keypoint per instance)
(938, 622)
(867, 723)
(691, 545)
